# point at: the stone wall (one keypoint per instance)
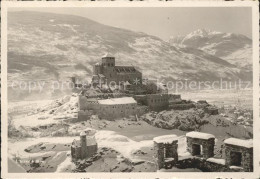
(165, 151)
(158, 102)
(207, 146)
(159, 155)
(204, 165)
(84, 115)
(171, 151)
(246, 156)
(117, 111)
(76, 152)
(181, 106)
(141, 99)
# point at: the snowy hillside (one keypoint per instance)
(235, 48)
(46, 46)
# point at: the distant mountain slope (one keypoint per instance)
(52, 46)
(235, 48)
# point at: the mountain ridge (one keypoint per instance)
(232, 47)
(56, 46)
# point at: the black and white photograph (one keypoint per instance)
(130, 89)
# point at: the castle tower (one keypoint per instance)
(83, 142)
(108, 60)
(108, 67)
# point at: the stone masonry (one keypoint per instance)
(239, 153)
(165, 148)
(199, 143)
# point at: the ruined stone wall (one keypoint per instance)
(159, 155)
(207, 146)
(203, 165)
(165, 154)
(171, 150)
(246, 153)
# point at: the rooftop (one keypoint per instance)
(125, 69)
(199, 135)
(107, 55)
(239, 142)
(165, 139)
(112, 101)
(88, 131)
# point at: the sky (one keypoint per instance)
(165, 22)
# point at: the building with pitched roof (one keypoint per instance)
(107, 71)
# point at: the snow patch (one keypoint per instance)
(66, 165)
(199, 135)
(165, 139)
(239, 142)
(217, 160)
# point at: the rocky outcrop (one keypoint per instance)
(187, 120)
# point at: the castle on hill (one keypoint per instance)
(126, 95)
(107, 71)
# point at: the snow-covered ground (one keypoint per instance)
(110, 139)
(51, 111)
